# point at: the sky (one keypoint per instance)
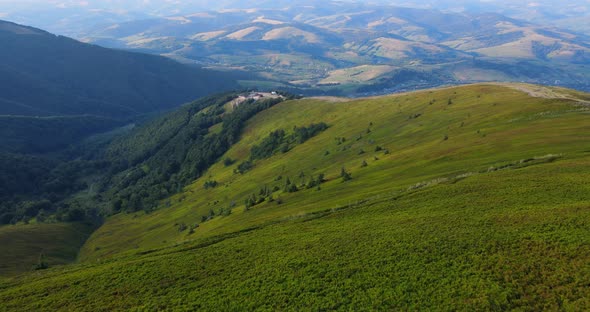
(49, 14)
(207, 4)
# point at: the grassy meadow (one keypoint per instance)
(59, 244)
(484, 126)
(513, 239)
(466, 198)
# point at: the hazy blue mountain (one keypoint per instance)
(352, 47)
(47, 75)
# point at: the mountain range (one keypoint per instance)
(70, 17)
(354, 47)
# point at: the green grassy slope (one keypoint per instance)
(481, 204)
(23, 244)
(485, 125)
(507, 239)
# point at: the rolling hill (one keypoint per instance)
(320, 40)
(469, 197)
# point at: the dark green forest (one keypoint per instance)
(37, 135)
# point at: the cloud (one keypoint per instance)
(69, 4)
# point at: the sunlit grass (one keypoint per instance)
(486, 126)
(480, 204)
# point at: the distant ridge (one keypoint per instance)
(46, 75)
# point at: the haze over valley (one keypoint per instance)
(348, 47)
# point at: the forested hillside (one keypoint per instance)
(62, 102)
(163, 156)
(46, 75)
(39, 135)
(126, 170)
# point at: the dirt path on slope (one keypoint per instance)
(331, 99)
(543, 92)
